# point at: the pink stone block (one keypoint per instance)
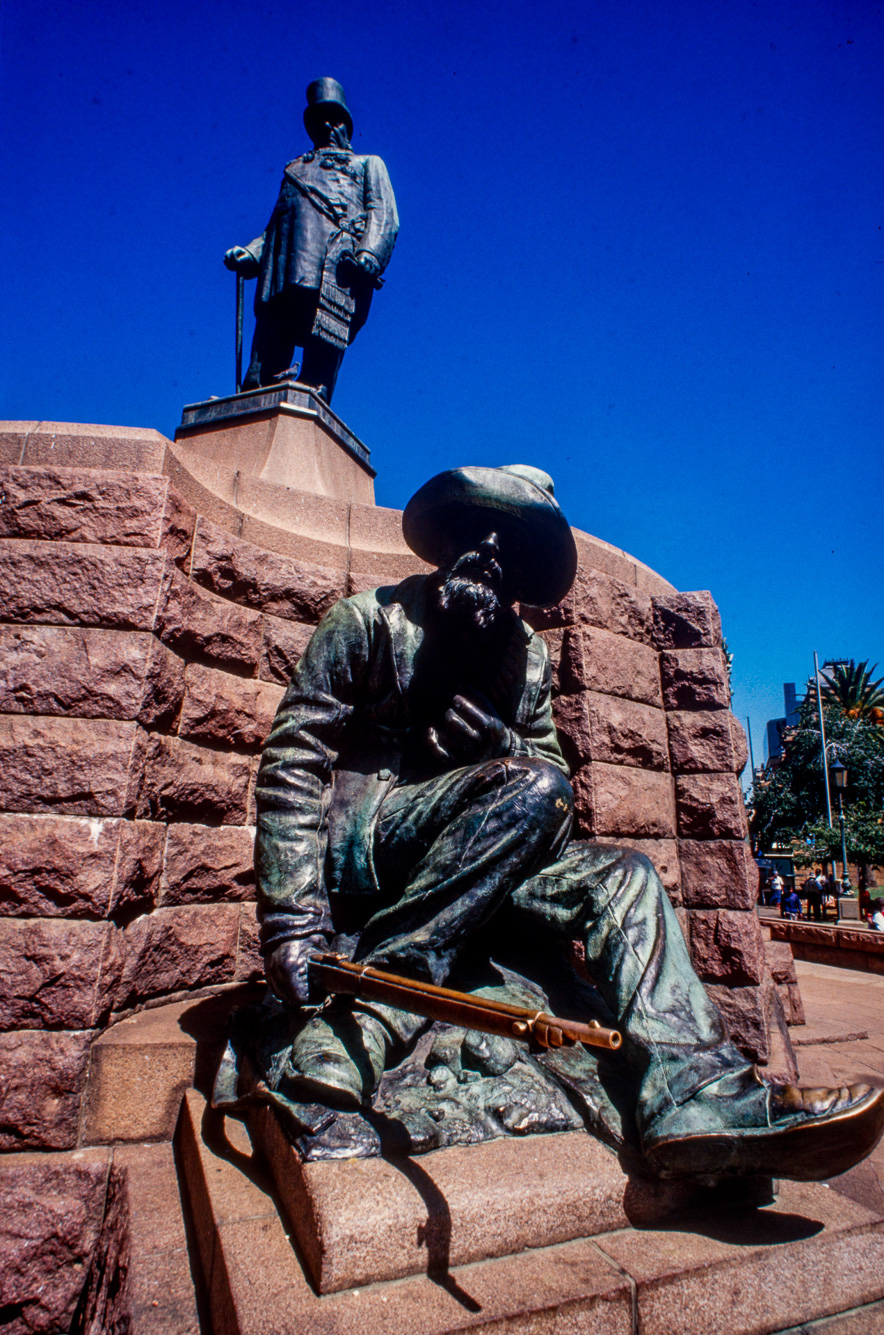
(193, 783)
(71, 583)
(686, 621)
(178, 949)
(208, 864)
(261, 579)
(710, 806)
(610, 729)
(694, 679)
(224, 710)
(51, 973)
(727, 946)
(717, 873)
(69, 766)
(623, 801)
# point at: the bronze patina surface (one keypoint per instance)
(414, 816)
(321, 256)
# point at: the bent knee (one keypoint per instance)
(633, 864)
(636, 869)
(546, 787)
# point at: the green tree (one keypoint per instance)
(849, 686)
(864, 832)
(789, 802)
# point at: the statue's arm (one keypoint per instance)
(536, 736)
(294, 787)
(382, 226)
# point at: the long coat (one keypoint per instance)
(326, 194)
(348, 726)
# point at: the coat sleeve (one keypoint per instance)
(256, 248)
(295, 776)
(382, 226)
(537, 735)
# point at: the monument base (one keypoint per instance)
(364, 1221)
(285, 434)
(738, 1269)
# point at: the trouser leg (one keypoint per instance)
(612, 901)
(449, 851)
(281, 325)
(320, 366)
(273, 343)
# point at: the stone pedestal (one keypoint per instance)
(848, 909)
(285, 435)
(480, 1259)
(365, 1221)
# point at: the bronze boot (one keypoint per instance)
(338, 1059)
(774, 1130)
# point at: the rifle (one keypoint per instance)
(337, 974)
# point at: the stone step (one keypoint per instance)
(866, 1320)
(96, 1237)
(258, 1286)
(737, 1271)
(162, 1296)
(139, 1068)
(360, 1221)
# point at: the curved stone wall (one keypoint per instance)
(151, 609)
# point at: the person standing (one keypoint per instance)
(791, 906)
(813, 891)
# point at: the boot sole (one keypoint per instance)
(812, 1150)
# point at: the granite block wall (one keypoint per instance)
(143, 652)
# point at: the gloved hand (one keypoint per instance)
(286, 969)
(241, 261)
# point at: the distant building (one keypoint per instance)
(792, 702)
(773, 737)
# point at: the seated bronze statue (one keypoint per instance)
(414, 815)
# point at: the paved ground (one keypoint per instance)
(841, 1001)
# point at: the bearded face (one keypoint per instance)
(471, 588)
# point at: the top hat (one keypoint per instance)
(454, 510)
(323, 93)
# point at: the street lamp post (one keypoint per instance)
(838, 773)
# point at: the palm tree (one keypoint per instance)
(850, 687)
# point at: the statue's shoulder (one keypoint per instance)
(534, 641)
(293, 167)
(408, 597)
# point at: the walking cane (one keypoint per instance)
(240, 290)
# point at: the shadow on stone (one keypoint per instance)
(435, 1234)
(744, 1226)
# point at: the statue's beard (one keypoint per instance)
(472, 606)
(467, 594)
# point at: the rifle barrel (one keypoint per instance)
(336, 974)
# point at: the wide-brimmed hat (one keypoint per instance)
(324, 93)
(456, 509)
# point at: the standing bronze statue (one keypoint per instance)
(414, 815)
(321, 256)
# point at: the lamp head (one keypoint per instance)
(839, 774)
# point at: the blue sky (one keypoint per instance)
(641, 247)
